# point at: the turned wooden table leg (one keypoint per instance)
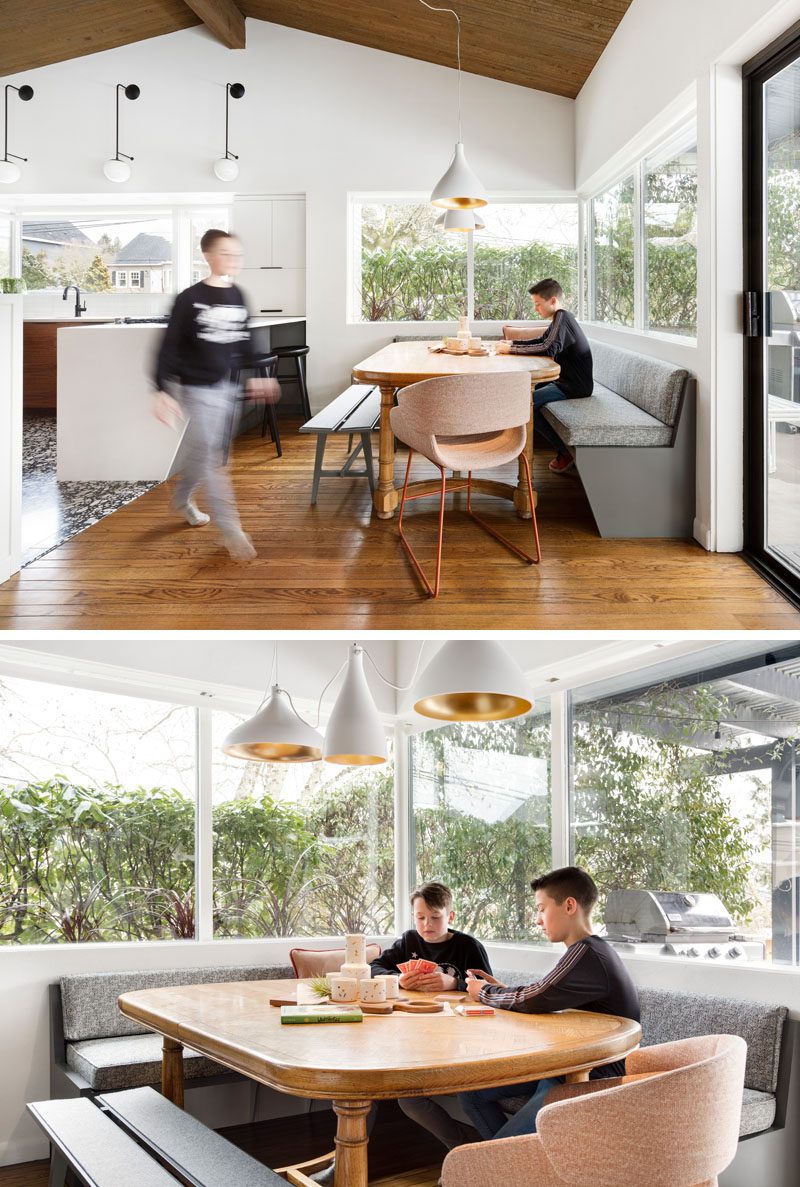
(172, 1071)
(351, 1143)
(386, 497)
(576, 1077)
(521, 500)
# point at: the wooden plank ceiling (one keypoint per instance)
(543, 44)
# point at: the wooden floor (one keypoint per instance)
(335, 566)
(400, 1153)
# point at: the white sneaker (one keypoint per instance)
(239, 545)
(192, 514)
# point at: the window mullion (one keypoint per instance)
(559, 778)
(470, 276)
(204, 837)
(638, 249)
(403, 824)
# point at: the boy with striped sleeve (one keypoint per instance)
(589, 976)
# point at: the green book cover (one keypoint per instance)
(291, 1015)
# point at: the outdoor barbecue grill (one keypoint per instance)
(676, 923)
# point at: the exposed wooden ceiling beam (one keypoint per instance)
(223, 19)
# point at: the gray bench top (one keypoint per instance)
(129, 1061)
(102, 1154)
(354, 411)
(186, 1143)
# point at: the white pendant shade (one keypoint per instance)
(9, 172)
(459, 189)
(226, 169)
(459, 220)
(355, 736)
(116, 170)
(275, 734)
(472, 681)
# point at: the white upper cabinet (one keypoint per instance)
(272, 231)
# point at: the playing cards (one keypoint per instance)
(418, 966)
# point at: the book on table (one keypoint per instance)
(314, 1013)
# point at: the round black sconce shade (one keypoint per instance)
(237, 90)
(132, 91)
(26, 92)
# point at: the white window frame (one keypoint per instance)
(122, 278)
(674, 140)
(136, 279)
(356, 199)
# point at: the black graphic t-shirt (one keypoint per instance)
(207, 336)
(454, 955)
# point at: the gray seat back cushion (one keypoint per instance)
(667, 1016)
(89, 1000)
(651, 384)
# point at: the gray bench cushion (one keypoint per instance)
(605, 418)
(130, 1061)
(89, 1000)
(187, 1143)
(651, 384)
(758, 1112)
(667, 1016)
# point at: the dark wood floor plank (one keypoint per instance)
(336, 567)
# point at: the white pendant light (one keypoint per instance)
(459, 220)
(472, 681)
(116, 169)
(275, 734)
(459, 188)
(227, 168)
(9, 172)
(355, 736)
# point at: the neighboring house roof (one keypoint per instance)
(144, 249)
(58, 233)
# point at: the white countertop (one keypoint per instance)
(255, 323)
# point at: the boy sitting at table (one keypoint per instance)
(453, 952)
(589, 976)
(563, 341)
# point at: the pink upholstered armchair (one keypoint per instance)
(675, 1123)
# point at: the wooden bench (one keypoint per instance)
(137, 1138)
(355, 413)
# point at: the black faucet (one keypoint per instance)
(79, 309)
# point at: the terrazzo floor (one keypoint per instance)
(54, 511)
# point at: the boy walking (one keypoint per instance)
(565, 342)
(206, 338)
(589, 976)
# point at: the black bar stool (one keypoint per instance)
(263, 366)
(298, 355)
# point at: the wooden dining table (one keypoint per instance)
(402, 363)
(380, 1058)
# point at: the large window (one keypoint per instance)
(97, 816)
(406, 270)
(303, 849)
(641, 262)
(481, 819)
(688, 784)
(86, 249)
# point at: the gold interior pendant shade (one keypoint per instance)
(472, 681)
(275, 734)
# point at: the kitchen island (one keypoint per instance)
(105, 424)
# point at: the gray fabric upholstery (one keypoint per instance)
(668, 1015)
(758, 1112)
(606, 418)
(130, 1061)
(89, 1000)
(188, 1143)
(651, 384)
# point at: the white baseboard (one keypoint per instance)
(702, 534)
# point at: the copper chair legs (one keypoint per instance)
(433, 590)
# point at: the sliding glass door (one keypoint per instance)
(772, 313)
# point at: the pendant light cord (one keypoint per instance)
(458, 57)
(398, 687)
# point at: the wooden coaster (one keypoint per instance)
(419, 1007)
(376, 1007)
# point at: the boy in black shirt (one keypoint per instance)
(589, 976)
(565, 342)
(207, 336)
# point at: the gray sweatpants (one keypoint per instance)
(209, 412)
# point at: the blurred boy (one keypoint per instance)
(206, 338)
(565, 342)
(589, 976)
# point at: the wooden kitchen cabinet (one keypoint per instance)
(39, 361)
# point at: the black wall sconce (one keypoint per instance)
(226, 168)
(10, 170)
(117, 169)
